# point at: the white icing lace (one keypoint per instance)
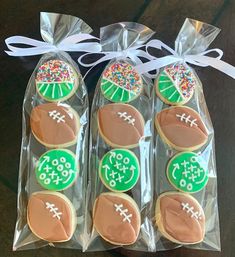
(127, 118)
(54, 210)
(186, 119)
(123, 212)
(56, 116)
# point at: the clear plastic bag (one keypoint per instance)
(54, 28)
(118, 37)
(193, 38)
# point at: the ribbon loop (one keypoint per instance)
(202, 59)
(70, 44)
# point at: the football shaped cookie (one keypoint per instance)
(181, 128)
(57, 169)
(119, 170)
(176, 83)
(187, 172)
(180, 218)
(121, 83)
(120, 125)
(56, 81)
(51, 216)
(55, 124)
(116, 217)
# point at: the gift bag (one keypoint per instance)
(120, 190)
(186, 211)
(53, 161)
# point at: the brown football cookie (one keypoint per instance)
(55, 124)
(180, 218)
(116, 217)
(181, 128)
(51, 216)
(120, 125)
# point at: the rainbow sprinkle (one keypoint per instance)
(124, 75)
(55, 71)
(183, 77)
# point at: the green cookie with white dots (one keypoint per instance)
(119, 170)
(56, 169)
(187, 172)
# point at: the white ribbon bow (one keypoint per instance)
(69, 44)
(197, 59)
(133, 53)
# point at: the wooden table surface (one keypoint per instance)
(21, 17)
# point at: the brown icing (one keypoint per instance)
(121, 125)
(42, 219)
(54, 124)
(110, 224)
(182, 127)
(182, 224)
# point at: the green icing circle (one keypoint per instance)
(56, 169)
(187, 172)
(167, 89)
(119, 170)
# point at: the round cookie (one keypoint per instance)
(120, 125)
(55, 124)
(56, 169)
(116, 217)
(120, 83)
(187, 172)
(176, 83)
(119, 170)
(51, 216)
(56, 81)
(180, 218)
(181, 128)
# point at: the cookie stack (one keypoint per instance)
(116, 216)
(55, 125)
(179, 216)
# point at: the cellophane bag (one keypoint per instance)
(53, 161)
(120, 190)
(186, 212)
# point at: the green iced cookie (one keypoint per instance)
(56, 81)
(121, 83)
(187, 172)
(119, 170)
(56, 169)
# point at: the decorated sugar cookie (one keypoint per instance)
(187, 172)
(56, 169)
(120, 125)
(119, 170)
(55, 124)
(56, 81)
(181, 128)
(116, 217)
(176, 84)
(180, 218)
(121, 83)
(51, 216)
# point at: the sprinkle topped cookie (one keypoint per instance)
(187, 172)
(176, 84)
(120, 125)
(51, 216)
(56, 81)
(56, 169)
(121, 83)
(180, 218)
(119, 170)
(116, 217)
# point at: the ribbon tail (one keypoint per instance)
(216, 63)
(156, 64)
